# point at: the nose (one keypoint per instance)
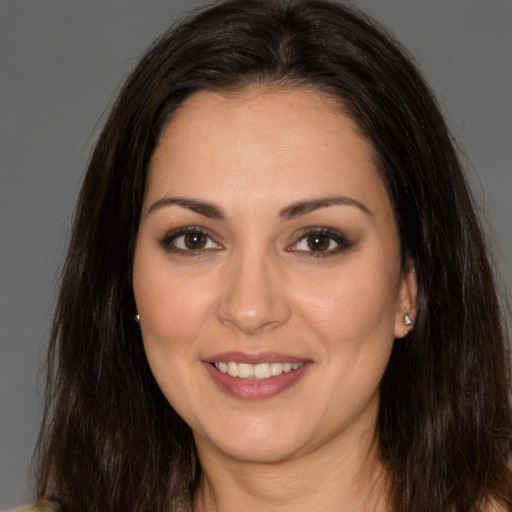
(253, 296)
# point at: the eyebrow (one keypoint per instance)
(289, 212)
(206, 209)
(305, 207)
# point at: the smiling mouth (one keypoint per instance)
(258, 371)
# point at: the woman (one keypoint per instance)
(276, 200)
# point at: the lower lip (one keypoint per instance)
(249, 389)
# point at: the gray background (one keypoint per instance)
(61, 63)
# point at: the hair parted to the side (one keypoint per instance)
(111, 442)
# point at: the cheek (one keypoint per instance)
(352, 318)
(356, 309)
(173, 310)
(172, 305)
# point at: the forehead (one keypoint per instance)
(281, 143)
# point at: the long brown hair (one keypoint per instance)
(111, 442)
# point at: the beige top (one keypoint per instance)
(45, 506)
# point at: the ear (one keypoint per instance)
(407, 303)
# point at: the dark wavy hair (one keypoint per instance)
(110, 441)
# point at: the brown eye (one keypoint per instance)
(318, 242)
(189, 241)
(195, 241)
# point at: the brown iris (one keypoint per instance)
(318, 242)
(195, 241)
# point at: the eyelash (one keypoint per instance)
(168, 242)
(341, 241)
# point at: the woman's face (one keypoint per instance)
(267, 274)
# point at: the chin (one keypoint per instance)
(258, 443)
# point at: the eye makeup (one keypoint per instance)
(320, 242)
(189, 241)
(313, 242)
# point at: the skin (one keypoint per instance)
(257, 286)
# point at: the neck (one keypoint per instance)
(327, 479)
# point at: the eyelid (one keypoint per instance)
(338, 237)
(335, 235)
(167, 241)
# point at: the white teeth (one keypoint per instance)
(262, 371)
(276, 369)
(256, 371)
(233, 369)
(245, 371)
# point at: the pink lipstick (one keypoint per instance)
(255, 376)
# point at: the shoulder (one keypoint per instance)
(44, 506)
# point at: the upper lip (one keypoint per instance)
(254, 358)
